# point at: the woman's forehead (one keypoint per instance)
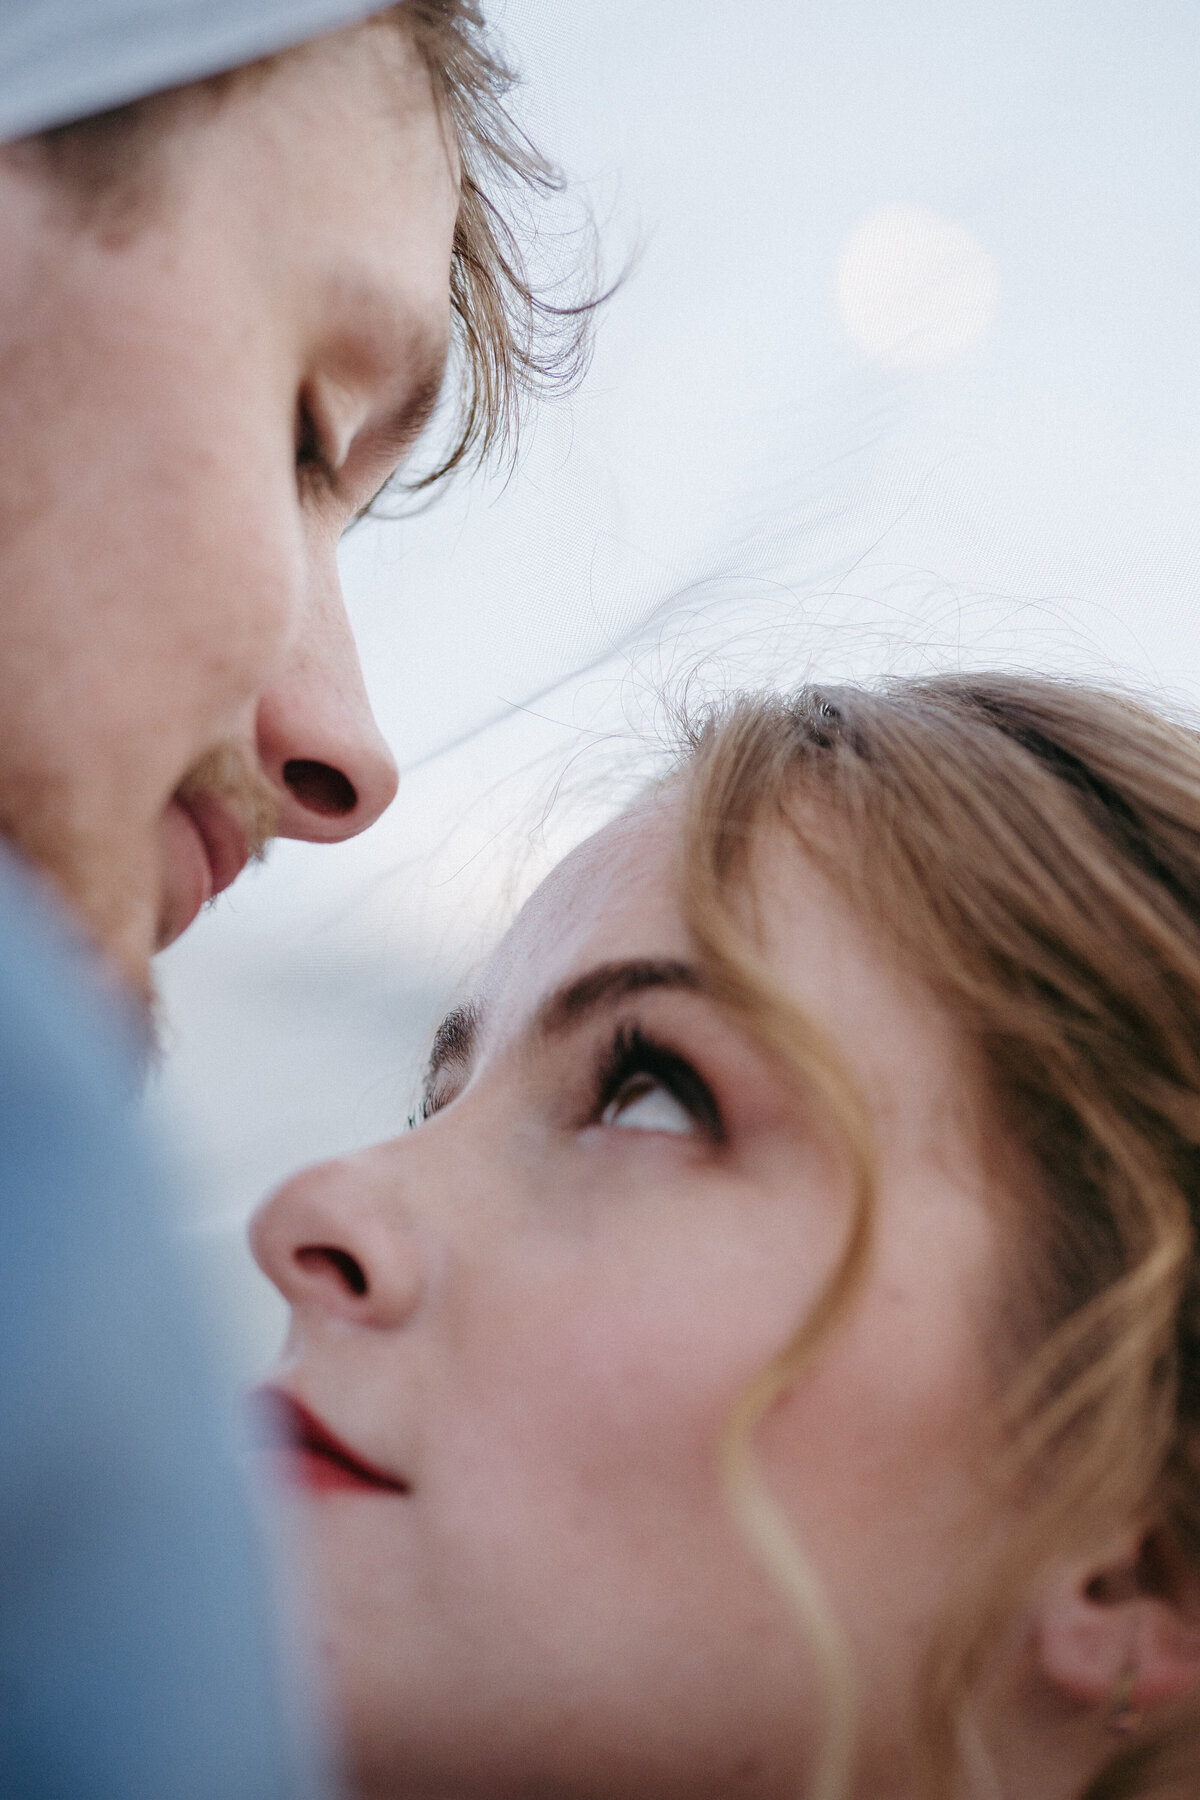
(617, 893)
(613, 913)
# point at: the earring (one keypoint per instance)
(1124, 1716)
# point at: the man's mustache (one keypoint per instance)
(229, 773)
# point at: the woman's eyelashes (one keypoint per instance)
(643, 1085)
(639, 1084)
(433, 1100)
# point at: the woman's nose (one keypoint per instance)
(317, 737)
(330, 1248)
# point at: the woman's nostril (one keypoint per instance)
(325, 1259)
(320, 787)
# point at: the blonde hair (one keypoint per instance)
(1031, 848)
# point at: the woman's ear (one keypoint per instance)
(1121, 1631)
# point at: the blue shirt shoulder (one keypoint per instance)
(136, 1658)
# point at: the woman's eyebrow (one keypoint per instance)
(453, 1041)
(564, 1008)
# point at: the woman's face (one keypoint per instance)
(531, 1315)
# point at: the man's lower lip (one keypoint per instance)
(224, 842)
(187, 875)
(204, 852)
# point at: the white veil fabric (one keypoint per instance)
(64, 59)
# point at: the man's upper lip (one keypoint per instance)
(225, 841)
(283, 1421)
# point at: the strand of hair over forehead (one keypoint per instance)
(739, 980)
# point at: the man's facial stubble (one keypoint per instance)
(102, 870)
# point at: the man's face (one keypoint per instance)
(195, 403)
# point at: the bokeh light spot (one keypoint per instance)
(914, 289)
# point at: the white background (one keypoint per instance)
(905, 374)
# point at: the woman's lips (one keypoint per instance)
(204, 850)
(308, 1454)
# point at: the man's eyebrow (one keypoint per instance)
(609, 982)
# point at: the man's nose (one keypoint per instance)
(318, 742)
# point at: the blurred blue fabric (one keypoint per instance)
(136, 1660)
(63, 59)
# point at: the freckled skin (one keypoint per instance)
(559, 1313)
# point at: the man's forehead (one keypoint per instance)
(371, 233)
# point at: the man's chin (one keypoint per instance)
(130, 891)
(123, 935)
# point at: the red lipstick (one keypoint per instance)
(308, 1454)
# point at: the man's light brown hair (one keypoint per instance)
(510, 341)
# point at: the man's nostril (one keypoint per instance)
(320, 788)
(321, 1259)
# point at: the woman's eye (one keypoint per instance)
(643, 1104)
(644, 1085)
